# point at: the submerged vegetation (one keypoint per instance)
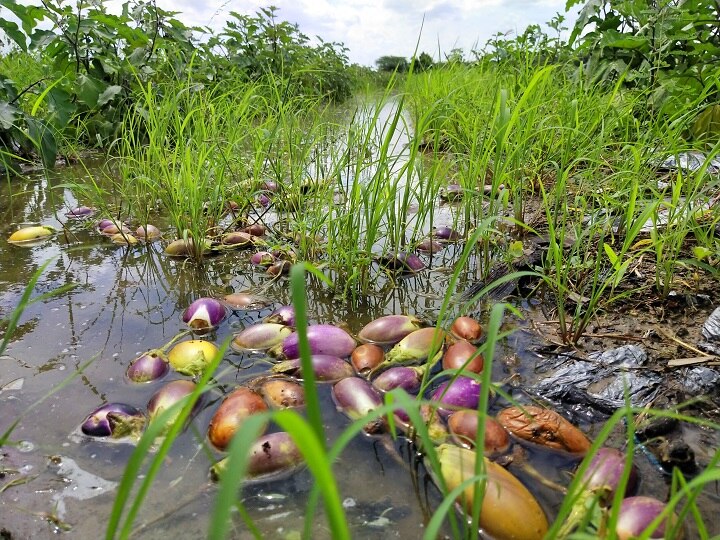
(584, 174)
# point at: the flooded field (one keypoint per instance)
(127, 300)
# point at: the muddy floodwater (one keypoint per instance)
(127, 300)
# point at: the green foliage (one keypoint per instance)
(95, 64)
(671, 48)
(391, 64)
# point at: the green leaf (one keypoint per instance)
(108, 95)
(42, 137)
(89, 90)
(8, 115)
(611, 254)
(617, 40)
(13, 32)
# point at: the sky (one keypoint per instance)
(374, 28)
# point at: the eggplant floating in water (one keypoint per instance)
(168, 396)
(282, 315)
(463, 355)
(464, 426)
(508, 509)
(260, 336)
(327, 368)
(149, 366)
(323, 339)
(415, 347)
(366, 357)
(388, 330)
(236, 407)
(466, 328)
(637, 513)
(544, 427)
(31, 235)
(458, 393)
(204, 314)
(270, 457)
(114, 419)
(356, 398)
(407, 378)
(192, 357)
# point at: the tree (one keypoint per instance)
(392, 63)
(423, 62)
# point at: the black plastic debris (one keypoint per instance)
(690, 162)
(711, 333)
(602, 380)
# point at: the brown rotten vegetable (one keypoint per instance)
(464, 425)
(545, 427)
(270, 457)
(236, 407)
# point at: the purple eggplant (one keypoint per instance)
(81, 212)
(635, 516)
(282, 315)
(192, 357)
(446, 233)
(452, 192)
(238, 239)
(407, 378)
(263, 200)
(105, 222)
(170, 394)
(235, 408)
(271, 457)
(389, 329)
(279, 268)
(356, 398)
(204, 314)
(262, 258)
(605, 472)
(403, 262)
(114, 420)
(327, 368)
(323, 338)
(246, 301)
(149, 366)
(458, 393)
(428, 245)
(148, 232)
(415, 347)
(260, 336)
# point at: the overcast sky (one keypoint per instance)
(373, 28)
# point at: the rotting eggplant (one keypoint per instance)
(545, 427)
(366, 357)
(463, 355)
(508, 509)
(282, 315)
(466, 328)
(260, 336)
(114, 420)
(322, 338)
(149, 366)
(245, 300)
(234, 409)
(356, 398)
(463, 426)
(192, 357)
(280, 393)
(271, 457)
(204, 314)
(389, 330)
(414, 348)
(327, 368)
